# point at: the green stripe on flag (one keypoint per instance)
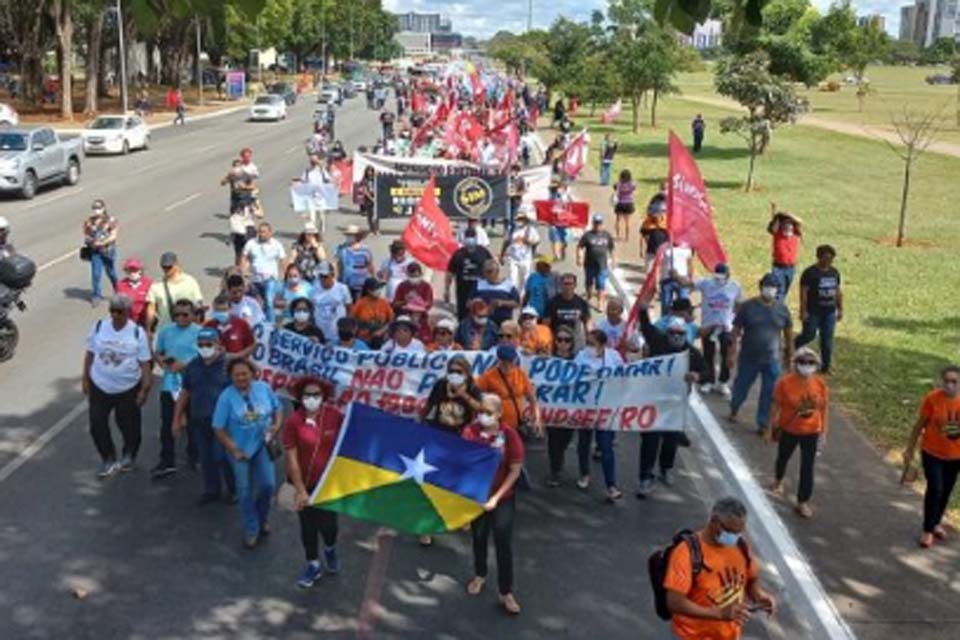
(402, 506)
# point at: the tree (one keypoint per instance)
(940, 52)
(917, 130)
(903, 52)
(567, 44)
(955, 76)
(770, 101)
(61, 12)
(684, 15)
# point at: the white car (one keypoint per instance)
(115, 134)
(360, 85)
(269, 107)
(8, 117)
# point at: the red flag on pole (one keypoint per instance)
(428, 235)
(689, 213)
(575, 155)
(645, 294)
(611, 114)
(345, 167)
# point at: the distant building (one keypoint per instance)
(414, 43)
(707, 35)
(926, 21)
(908, 22)
(423, 22)
(441, 42)
(874, 18)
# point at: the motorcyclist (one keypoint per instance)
(6, 247)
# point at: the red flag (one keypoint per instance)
(428, 235)
(645, 294)
(611, 114)
(560, 214)
(689, 213)
(575, 155)
(345, 167)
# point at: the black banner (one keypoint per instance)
(460, 196)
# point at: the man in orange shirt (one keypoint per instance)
(707, 602)
(507, 380)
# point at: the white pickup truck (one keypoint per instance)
(30, 158)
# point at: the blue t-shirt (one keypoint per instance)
(356, 266)
(179, 343)
(204, 382)
(302, 290)
(692, 329)
(538, 292)
(246, 418)
(358, 345)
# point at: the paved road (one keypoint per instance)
(153, 565)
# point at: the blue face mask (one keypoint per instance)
(222, 317)
(728, 538)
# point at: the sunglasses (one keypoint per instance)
(506, 335)
(807, 362)
(443, 331)
(167, 267)
(117, 311)
(562, 340)
(205, 345)
(313, 394)
(182, 314)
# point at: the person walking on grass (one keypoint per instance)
(939, 424)
(786, 234)
(799, 418)
(821, 303)
(698, 127)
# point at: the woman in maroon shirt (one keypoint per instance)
(308, 437)
(499, 510)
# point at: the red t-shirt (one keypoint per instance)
(786, 249)
(137, 294)
(313, 440)
(511, 449)
(235, 336)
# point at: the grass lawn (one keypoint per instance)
(902, 318)
(892, 88)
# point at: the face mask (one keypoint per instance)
(676, 340)
(728, 538)
(134, 276)
(345, 336)
(950, 388)
(768, 293)
(806, 370)
(481, 320)
(222, 317)
(530, 323)
(301, 315)
(311, 404)
(379, 293)
(456, 379)
(207, 352)
(293, 280)
(720, 279)
(416, 280)
(486, 419)
(470, 242)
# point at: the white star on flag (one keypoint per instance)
(416, 468)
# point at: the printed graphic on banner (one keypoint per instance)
(560, 214)
(459, 196)
(646, 395)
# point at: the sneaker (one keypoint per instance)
(95, 302)
(106, 469)
(265, 528)
(645, 488)
(724, 389)
(706, 387)
(126, 463)
(311, 574)
(250, 541)
(613, 494)
(553, 482)
(331, 561)
(162, 470)
(583, 483)
(667, 477)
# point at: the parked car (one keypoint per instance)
(33, 157)
(940, 78)
(8, 117)
(115, 134)
(359, 84)
(268, 107)
(286, 90)
(330, 93)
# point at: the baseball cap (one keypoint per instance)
(4, 224)
(324, 269)
(208, 334)
(675, 324)
(769, 280)
(445, 323)
(133, 264)
(721, 268)
(597, 217)
(529, 311)
(168, 259)
(352, 230)
(543, 259)
(310, 227)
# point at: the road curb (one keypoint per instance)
(163, 125)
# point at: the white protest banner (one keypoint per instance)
(647, 395)
(307, 196)
(301, 196)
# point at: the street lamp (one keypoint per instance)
(123, 59)
(199, 65)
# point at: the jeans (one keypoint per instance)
(316, 523)
(669, 290)
(784, 276)
(213, 459)
(168, 453)
(256, 482)
(605, 169)
(607, 460)
(373, 220)
(825, 324)
(653, 445)
(747, 373)
(941, 476)
(127, 412)
(100, 262)
(808, 456)
(268, 291)
(557, 442)
(697, 141)
(725, 339)
(501, 520)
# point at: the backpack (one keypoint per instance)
(660, 559)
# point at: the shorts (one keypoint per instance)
(596, 277)
(558, 234)
(624, 208)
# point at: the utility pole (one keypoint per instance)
(123, 59)
(199, 66)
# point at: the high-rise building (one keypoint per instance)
(908, 22)
(927, 21)
(423, 22)
(874, 18)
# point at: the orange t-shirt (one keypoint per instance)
(518, 385)
(941, 434)
(370, 314)
(802, 402)
(722, 582)
(539, 340)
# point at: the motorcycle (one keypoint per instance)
(16, 275)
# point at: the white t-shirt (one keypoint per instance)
(614, 331)
(521, 244)
(249, 170)
(264, 258)
(589, 357)
(681, 261)
(415, 346)
(483, 239)
(248, 309)
(396, 273)
(718, 302)
(329, 305)
(117, 355)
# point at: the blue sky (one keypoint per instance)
(483, 18)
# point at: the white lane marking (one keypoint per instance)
(59, 196)
(70, 254)
(149, 167)
(34, 447)
(180, 203)
(295, 147)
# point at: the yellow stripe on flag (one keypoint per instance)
(346, 477)
(455, 510)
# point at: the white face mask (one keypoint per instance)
(486, 419)
(301, 315)
(768, 293)
(720, 279)
(416, 280)
(806, 370)
(207, 352)
(311, 404)
(456, 379)
(134, 276)
(481, 320)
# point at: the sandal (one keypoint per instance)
(803, 510)
(475, 586)
(510, 604)
(926, 540)
(939, 532)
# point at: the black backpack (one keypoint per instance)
(660, 559)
